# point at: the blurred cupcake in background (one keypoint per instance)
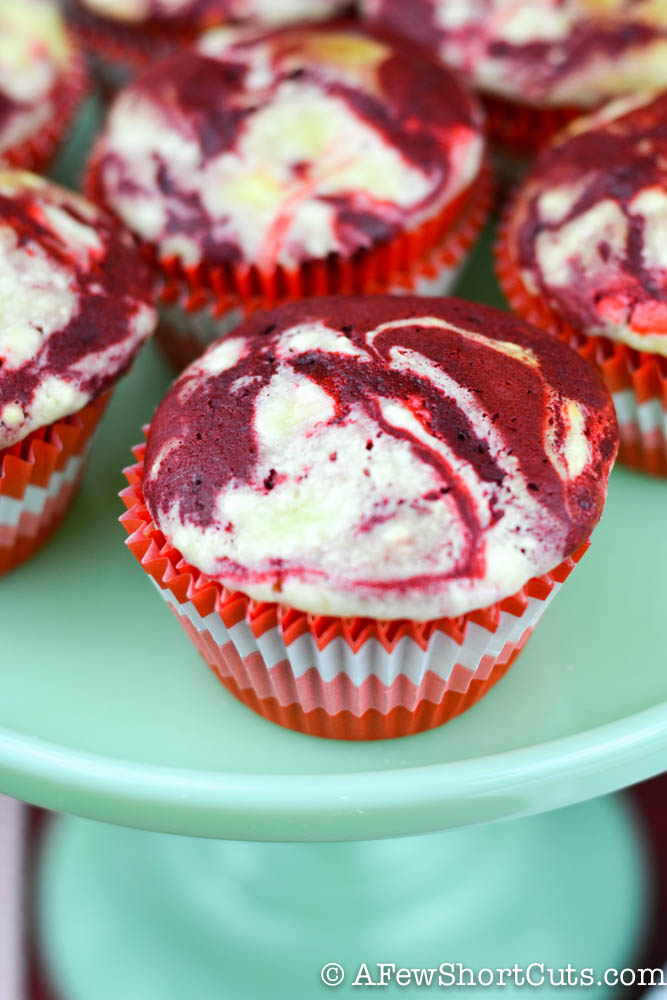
(583, 254)
(74, 310)
(124, 36)
(41, 82)
(265, 167)
(359, 508)
(538, 63)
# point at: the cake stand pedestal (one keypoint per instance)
(154, 917)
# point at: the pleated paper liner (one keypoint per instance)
(352, 678)
(516, 133)
(38, 150)
(183, 334)
(197, 314)
(223, 286)
(637, 380)
(39, 477)
(521, 128)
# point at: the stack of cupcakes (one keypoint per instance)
(263, 167)
(358, 505)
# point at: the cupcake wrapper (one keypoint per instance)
(421, 255)
(345, 678)
(39, 477)
(36, 152)
(183, 336)
(186, 329)
(636, 380)
(521, 128)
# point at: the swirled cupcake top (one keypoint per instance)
(204, 13)
(74, 303)
(589, 227)
(541, 52)
(388, 457)
(287, 146)
(35, 54)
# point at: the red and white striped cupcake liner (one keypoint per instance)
(39, 477)
(352, 678)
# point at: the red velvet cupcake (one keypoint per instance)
(538, 63)
(263, 168)
(359, 508)
(41, 82)
(124, 36)
(74, 311)
(583, 255)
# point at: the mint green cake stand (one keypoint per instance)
(108, 713)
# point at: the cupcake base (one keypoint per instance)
(39, 478)
(636, 380)
(300, 693)
(355, 679)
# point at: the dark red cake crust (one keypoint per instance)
(613, 161)
(217, 443)
(418, 106)
(108, 290)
